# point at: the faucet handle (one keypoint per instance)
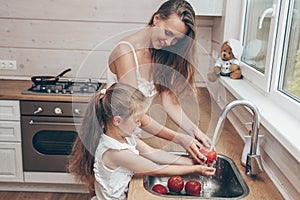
(253, 165)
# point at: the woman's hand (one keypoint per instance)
(199, 135)
(191, 143)
(192, 146)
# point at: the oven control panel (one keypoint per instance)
(52, 108)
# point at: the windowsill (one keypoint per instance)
(279, 122)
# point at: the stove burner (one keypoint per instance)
(82, 87)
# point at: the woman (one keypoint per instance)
(161, 59)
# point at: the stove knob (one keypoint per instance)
(57, 111)
(89, 84)
(84, 89)
(77, 111)
(56, 91)
(64, 91)
(38, 110)
(48, 90)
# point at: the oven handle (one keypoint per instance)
(31, 122)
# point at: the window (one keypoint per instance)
(290, 66)
(256, 39)
(259, 32)
(271, 56)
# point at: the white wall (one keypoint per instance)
(45, 37)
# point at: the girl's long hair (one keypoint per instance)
(120, 100)
(174, 66)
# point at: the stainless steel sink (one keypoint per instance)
(227, 183)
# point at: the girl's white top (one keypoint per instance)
(112, 184)
(145, 86)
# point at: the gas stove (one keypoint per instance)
(66, 87)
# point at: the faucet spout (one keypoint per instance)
(253, 163)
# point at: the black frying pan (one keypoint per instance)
(48, 79)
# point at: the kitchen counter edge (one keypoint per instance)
(12, 90)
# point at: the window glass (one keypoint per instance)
(290, 76)
(256, 33)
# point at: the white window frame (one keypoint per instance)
(257, 78)
(279, 97)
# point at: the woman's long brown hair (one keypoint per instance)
(174, 66)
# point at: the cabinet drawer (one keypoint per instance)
(10, 131)
(11, 168)
(9, 110)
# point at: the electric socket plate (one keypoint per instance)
(8, 64)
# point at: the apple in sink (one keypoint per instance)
(159, 188)
(175, 183)
(193, 188)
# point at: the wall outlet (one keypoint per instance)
(8, 64)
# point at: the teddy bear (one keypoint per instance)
(228, 63)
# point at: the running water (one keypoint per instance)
(217, 132)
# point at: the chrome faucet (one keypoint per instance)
(253, 162)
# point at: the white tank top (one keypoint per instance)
(145, 86)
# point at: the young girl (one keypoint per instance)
(161, 59)
(107, 133)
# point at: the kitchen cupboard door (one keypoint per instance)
(9, 110)
(10, 131)
(11, 168)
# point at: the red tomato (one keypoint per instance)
(210, 155)
(159, 188)
(175, 183)
(193, 188)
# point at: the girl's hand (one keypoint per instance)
(205, 170)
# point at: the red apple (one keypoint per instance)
(210, 155)
(159, 188)
(175, 183)
(193, 188)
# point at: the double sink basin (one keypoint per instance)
(226, 183)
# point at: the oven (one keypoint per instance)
(48, 132)
(49, 128)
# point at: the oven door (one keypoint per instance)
(47, 142)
